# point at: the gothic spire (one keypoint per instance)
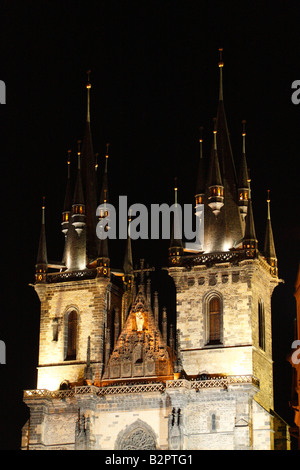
(78, 198)
(215, 184)
(269, 248)
(221, 65)
(176, 245)
(89, 168)
(68, 198)
(250, 240)
(128, 262)
(42, 259)
(103, 255)
(200, 187)
(243, 189)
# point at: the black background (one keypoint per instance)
(155, 80)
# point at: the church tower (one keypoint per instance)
(113, 373)
(224, 297)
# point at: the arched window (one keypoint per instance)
(214, 320)
(71, 335)
(261, 325)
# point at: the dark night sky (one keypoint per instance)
(154, 83)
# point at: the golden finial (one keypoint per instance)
(244, 136)
(175, 189)
(106, 156)
(221, 65)
(268, 202)
(88, 87)
(215, 133)
(43, 210)
(78, 153)
(96, 161)
(201, 140)
(69, 162)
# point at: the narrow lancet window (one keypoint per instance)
(261, 325)
(72, 335)
(214, 321)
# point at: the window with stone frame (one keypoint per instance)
(214, 320)
(261, 325)
(71, 339)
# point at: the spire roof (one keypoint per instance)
(176, 238)
(223, 139)
(89, 179)
(68, 195)
(225, 232)
(78, 197)
(200, 187)
(243, 171)
(250, 227)
(42, 258)
(214, 175)
(128, 261)
(269, 248)
(103, 243)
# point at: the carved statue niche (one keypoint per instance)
(139, 318)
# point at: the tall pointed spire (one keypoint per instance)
(225, 231)
(200, 187)
(68, 198)
(176, 245)
(128, 261)
(103, 255)
(89, 168)
(88, 87)
(215, 185)
(250, 240)
(128, 278)
(78, 207)
(243, 188)
(42, 259)
(221, 65)
(269, 248)
(224, 145)
(78, 198)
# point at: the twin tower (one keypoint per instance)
(112, 372)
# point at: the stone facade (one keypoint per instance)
(111, 376)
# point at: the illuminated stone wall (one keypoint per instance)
(88, 298)
(240, 288)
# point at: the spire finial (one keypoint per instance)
(43, 210)
(106, 156)
(201, 141)
(215, 134)
(244, 135)
(96, 161)
(221, 65)
(88, 87)
(268, 202)
(79, 152)
(175, 189)
(69, 163)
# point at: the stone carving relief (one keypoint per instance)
(137, 436)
